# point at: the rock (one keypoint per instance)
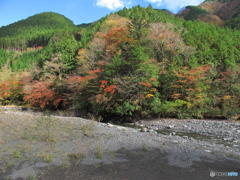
(169, 127)
(120, 127)
(208, 150)
(227, 139)
(150, 130)
(144, 129)
(236, 141)
(236, 145)
(227, 147)
(153, 132)
(109, 125)
(174, 133)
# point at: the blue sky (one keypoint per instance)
(79, 11)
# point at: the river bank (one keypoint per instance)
(36, 146)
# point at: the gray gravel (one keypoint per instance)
(182, 150)
(222, 128)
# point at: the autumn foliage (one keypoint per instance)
(192, 84)
(40, 95)
(10, 92)
(138, 62)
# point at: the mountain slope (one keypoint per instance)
(36, 23)
(33, 31)
(229, 10)
(216, 12)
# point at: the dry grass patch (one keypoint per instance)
(88, 129)
(44, 137)
(79, 155)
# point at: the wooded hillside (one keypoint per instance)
(33, 31)
(138, 62)
(217, 12)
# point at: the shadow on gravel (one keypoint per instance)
(141, 165)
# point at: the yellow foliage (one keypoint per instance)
(189, 105)
(149, 95)
(177, 86)
(227, 97)
(199, 89)
(153, 90)
(81, 53)
(113, 21)
(135, 102)
(138, 107)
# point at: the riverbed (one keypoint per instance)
(29, 147)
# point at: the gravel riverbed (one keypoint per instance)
(99, 143)
(221, 128)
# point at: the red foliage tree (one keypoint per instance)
(41, 95)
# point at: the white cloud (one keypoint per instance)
(159, 2)
(175, 5)
(110, 4)
(114, 4)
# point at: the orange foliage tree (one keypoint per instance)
(191, 85)
(11, 92)
(40, 95)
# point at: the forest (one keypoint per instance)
(135, 63)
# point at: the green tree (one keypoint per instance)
(66, 46)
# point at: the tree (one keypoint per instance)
(54, 69)
(138, 29)
(66, 46)
(41, 95)
(167, 43)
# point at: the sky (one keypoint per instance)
(80, 11)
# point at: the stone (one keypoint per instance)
(150, 130)
(144, 129)
(208, 150)
(155, 129)
(109, 125)
(227, 139)
(169, 127)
